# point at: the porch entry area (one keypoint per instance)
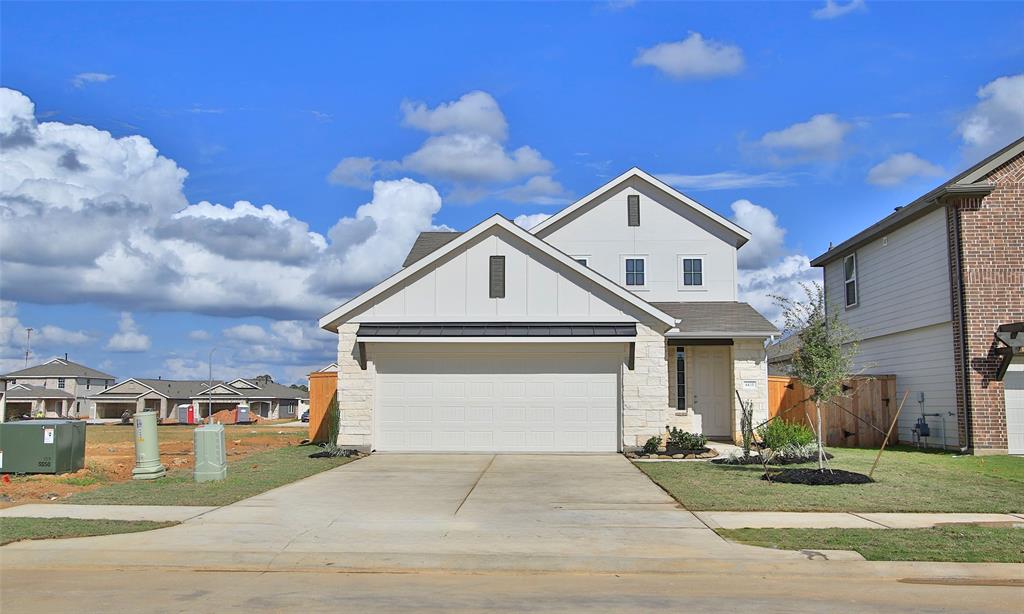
(700, 386)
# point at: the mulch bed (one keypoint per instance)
(816, 477)
(754, 459)
(678, 454)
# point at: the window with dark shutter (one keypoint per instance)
(633, 209)
(497, 277)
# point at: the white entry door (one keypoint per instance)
(510, 397)
(711, 378)
(1014, 391)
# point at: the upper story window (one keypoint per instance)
(497, 277)
(691, 269)
(88, 384)
(581, 259)
(850, 279)
(60, 382)
(636, 274)
(633, 210)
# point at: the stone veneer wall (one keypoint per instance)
(355, 392)
(749, 363)
(645, 408)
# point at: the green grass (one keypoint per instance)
(906, 481)
(249, 476)
(962, 544)
(17, 529)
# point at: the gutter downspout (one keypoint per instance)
(962, 315)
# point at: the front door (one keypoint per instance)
(710, 378)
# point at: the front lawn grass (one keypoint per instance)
(248, 476)
(17, 529)
(960, 544)
(907, 480)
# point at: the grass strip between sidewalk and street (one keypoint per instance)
(907, 480)
(959, 544)
(17, 529)
(246, 477)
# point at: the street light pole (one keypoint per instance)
(209, 390)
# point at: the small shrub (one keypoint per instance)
(778, 434)
(685, 441)
(652, 445)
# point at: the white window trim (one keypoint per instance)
(622, 272)
(584, 257)
(703, 287)
(854, 279)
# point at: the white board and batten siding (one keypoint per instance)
(668, 230)
(904, 319)
(537, 289)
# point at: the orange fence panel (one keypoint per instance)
(858, 419)
(323, 386)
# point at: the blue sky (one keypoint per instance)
(823, 117)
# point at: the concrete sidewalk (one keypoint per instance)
(159, 513)
(846, 520)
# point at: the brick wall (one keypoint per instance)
(987, 234)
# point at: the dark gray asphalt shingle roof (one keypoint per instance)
(427, 243)
(718, 316)
(59, 367)
(25, 391)
(176, 389)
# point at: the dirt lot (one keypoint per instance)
(110, 457)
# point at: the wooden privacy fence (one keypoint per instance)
(322, 388)
(871, 398)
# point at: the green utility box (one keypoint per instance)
(211, 458)
(42, 446)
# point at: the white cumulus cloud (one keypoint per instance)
(767, 238)
(694, 57)
(897, 168)
(820, 137)
(834, 9)
(473, 113)
(998, 118)
(128, 338)
(529, 220)
(109, 223)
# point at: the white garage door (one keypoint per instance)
(1014, 383)
(505, 398)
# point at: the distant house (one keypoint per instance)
(780, 355)
(264, 397)
(935, 291)
(57, 388)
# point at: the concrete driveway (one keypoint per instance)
(452, 511)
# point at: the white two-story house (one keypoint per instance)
(590, 332)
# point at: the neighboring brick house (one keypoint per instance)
(590, 332)
(936, 292)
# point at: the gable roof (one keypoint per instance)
(427, 243)
(60, 367)
(718, 317)
(969, 182)
(742, 234)
(331, 320)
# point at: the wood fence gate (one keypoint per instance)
(872, 399)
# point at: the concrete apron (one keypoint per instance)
(454, 512)
(430, 511)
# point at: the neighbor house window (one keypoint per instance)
(850, 276)
(680, 378)
(635, 274)
(633, 210)
(693, 272)
(60, 382)
(88, 384)
(497, 277)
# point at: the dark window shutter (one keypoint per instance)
(497, 277)
(633, 209)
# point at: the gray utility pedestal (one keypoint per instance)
(211, 459)
(147, 448)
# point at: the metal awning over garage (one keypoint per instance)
(376, 331)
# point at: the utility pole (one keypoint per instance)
(28, 345)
